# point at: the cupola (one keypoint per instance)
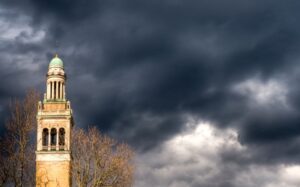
(56, 62)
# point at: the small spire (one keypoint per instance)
(56, 55)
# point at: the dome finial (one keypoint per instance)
(56, 62)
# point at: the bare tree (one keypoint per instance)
(17, 149)
(100, 161)
(6, 148)
(97, 159)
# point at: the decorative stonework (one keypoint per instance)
(55, 156)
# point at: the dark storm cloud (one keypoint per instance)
(137, 68)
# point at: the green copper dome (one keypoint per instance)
(56, 62)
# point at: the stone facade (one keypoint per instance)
(55, 122)
(51, 173)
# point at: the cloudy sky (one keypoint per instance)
(206, 91)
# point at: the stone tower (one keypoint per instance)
(54, 125)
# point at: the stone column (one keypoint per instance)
(48, 90)
(49, 139)
(67, 138)
(39, 139)
(61, 90)
(64, 91)
(59, 83)
(57, 139)
(52, 90)
(56, 94)
(57, 89)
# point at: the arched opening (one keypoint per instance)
(53, 138)
(61, 140)
(45, 139)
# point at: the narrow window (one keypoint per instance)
(51, 90)
(62, 138)
(53, 138)
(45, 138)
(58, 90)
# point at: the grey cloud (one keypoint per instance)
(218, 161)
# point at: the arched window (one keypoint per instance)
(45, 139)
(53, 138)
(61, 139)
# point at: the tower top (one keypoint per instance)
(56, 62)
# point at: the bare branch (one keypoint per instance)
(100, 161)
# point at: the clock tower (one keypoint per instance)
(54, 127)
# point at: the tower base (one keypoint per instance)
(51, 172)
